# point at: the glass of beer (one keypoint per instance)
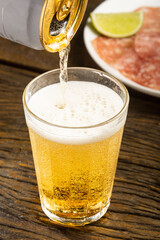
(75, 136)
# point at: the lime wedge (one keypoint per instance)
(117, 25)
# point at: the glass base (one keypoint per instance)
(75, 221)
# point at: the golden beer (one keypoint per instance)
(75, 181)
(75, 147)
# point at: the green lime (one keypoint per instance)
(117, 25)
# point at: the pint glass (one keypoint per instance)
(75, 165)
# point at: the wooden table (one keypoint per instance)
(134, 212)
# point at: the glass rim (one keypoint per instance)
(125, 105)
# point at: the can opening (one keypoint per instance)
(58, 27)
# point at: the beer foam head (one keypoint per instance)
(81, 104)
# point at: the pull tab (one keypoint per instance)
(59, 22)
(64, 9)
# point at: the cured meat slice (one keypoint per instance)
(149, 74)
(129, 64)
(110, 49)
(147, 44)
(151, 19)
(146, 73)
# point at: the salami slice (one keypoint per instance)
(129, 64)
(149, 74)
(147, 44)
(151, 19)
(110, 49)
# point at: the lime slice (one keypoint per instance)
(118, 25)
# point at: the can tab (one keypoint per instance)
(64, 9)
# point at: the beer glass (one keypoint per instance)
(75, 166)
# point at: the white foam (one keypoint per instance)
(86, 104)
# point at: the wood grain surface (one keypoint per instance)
(134, 212)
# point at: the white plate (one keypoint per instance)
(89, 34)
